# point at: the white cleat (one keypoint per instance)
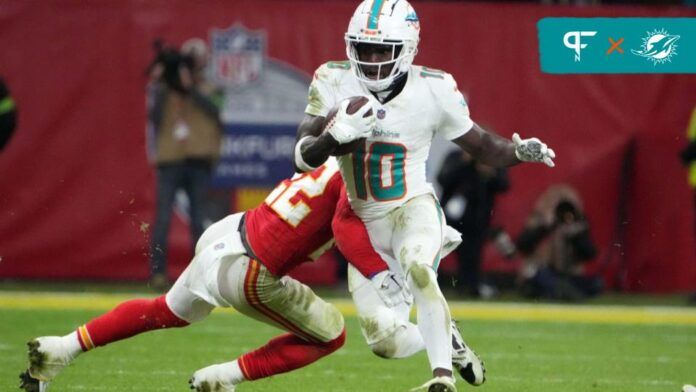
(465, 360)
(47, 357)
(437, 384)
(209, 379)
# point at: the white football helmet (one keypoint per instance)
(383, 22)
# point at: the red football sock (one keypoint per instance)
(128, 319)
(285, 353)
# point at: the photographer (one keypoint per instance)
(555, 243)
(184, 141)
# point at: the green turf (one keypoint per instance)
(520, 356)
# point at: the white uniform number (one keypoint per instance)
(286, 201)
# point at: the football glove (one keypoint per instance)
(389, 288)
(533, 150)
(346, 127)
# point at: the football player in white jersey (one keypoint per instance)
(385, 176)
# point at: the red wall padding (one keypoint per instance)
(76, 191)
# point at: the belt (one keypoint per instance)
(245, 241)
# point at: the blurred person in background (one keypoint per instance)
(555, 243)
(8, 114)
(469, 189)
(688, 157)
(185, 133)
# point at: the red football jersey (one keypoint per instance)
(293, 224)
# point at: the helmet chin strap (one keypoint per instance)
(393, 89)
(397, 80)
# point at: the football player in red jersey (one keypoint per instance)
(240, 262)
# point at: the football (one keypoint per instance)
(353, 106)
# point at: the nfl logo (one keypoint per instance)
(381, 113)
(237, 55)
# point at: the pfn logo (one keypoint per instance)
(572, 40)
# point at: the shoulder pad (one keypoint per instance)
(331, 69)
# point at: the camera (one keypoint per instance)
(171, 60)
(566, 212)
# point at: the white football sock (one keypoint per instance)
(71, 343)
(408, 341)
(230, 371)
(433, 316)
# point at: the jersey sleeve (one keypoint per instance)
(454, 119)
(353, 240)
(320, 97)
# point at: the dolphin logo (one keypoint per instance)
(658, 47)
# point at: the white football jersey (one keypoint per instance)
(389, 169)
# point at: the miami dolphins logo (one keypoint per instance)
(412, 20)
(659, 47)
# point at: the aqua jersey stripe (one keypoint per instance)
(437, 259)
(373, 19)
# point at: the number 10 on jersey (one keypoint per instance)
(380, 171)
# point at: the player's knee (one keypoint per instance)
(421, 276)
(336, 343)
(380, 330)
(423, 282)
(186, 307)
(385, 348)
(335, 325)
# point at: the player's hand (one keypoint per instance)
(347, 127)
(390, 288)
(533, 150)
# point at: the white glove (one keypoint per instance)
(533, 150)
(346, 127)
(389, 288)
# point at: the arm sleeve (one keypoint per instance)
(353, 240)
(320, 98)
(454, 120)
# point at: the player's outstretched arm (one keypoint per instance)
(312, 147)
(494, 150)
(487, 147)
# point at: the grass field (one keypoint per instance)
(526, 348)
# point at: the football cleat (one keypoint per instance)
(47, 357)
(209, 379)
(437, 384)
(465, 360)
(30, 384)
